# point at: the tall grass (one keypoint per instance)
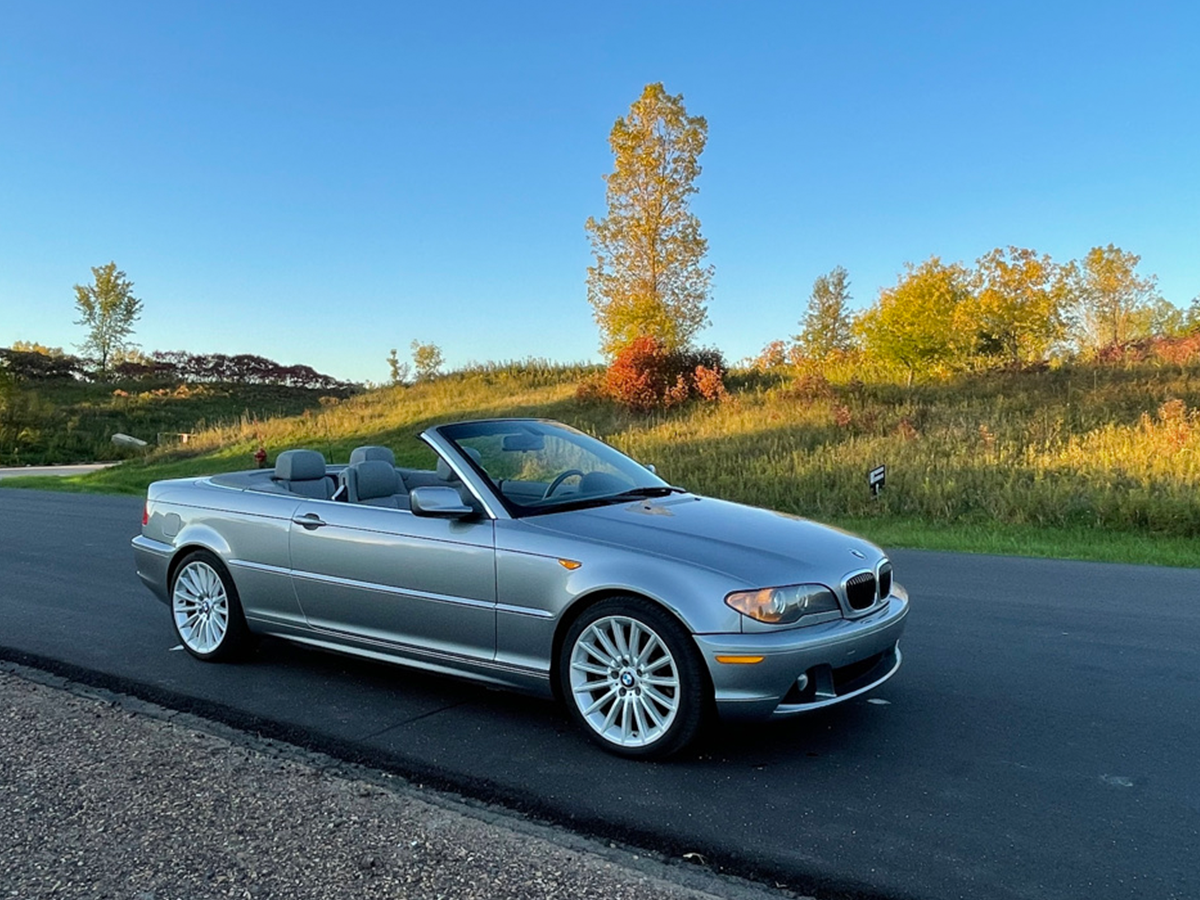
(1079, 447)
(64, 421)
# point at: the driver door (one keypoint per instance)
(389, 576)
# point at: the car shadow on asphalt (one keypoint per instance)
(352, 690)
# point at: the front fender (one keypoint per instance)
(695, 596)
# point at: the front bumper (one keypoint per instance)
(153, 558)
(805, 668)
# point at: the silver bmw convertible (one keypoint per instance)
(537, 558)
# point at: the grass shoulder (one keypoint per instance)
(1046, 542)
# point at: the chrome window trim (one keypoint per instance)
(443, 448)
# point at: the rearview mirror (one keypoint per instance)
(438, 503)
(523, 441)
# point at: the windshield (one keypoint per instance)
(539, 467)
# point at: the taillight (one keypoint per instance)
(146, 514)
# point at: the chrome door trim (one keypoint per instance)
(261, 567)
(524, 611)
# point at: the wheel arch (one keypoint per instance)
(197, 538)
(586, 601)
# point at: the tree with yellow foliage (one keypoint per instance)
(649, 278)
(1113, 302)
(108, 309)
(1020, 304)
(924, 322)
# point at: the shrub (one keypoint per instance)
(638, 376)
(772, 356)
(645, 376)
(710, 384)
(677, 393)
(1178, 351)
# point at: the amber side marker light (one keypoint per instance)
(740, 660)
(570, 564)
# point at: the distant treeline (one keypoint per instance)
(44, 364)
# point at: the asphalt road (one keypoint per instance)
(1040, 740)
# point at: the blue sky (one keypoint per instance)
(319, 183)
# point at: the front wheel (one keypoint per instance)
(632, 679)
(205, 608)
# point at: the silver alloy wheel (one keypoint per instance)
(624, 681)
(200, 605)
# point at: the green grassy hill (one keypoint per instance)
(1098, 462)
(67, 421)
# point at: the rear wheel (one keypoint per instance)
(632, 679)
(205, 608)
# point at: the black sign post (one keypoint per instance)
(876, 479)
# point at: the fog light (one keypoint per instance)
(802, 682)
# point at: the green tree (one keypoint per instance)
(398, 371)
(1160, 318)
(427, 359)
(1113, 303)
(827, 326)
(108, 309)
(923, 322)
(1020, 305)
(648, 278)
(1191, 317)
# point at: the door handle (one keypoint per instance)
(309, 520)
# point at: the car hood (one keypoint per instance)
(757, 547)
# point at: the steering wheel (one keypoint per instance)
(558, 480)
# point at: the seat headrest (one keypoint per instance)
(362, 454)
(299, 465)
(376, 478)
(446, 473)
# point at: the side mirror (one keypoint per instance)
(438, 503)
(650, 466)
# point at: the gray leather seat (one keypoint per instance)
(303, 472)
(375, 482)
(374, 451)
(447, 474)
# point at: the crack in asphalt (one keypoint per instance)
(410, 720)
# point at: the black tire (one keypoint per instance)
(206, 611)
(617, 698)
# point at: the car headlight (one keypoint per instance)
(784, 605)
